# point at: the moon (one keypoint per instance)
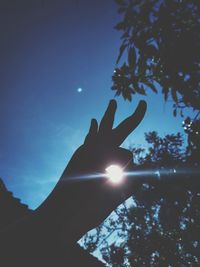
(79, 90)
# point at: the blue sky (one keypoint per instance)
(49, 49)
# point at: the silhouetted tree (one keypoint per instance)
(192, 129)
(161, 48)
(159, 225)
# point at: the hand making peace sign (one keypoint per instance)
(79, 203)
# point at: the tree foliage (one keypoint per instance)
(161, 45)
(159, 224)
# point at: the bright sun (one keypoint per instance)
(115, 174)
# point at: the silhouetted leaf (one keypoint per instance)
(127, 94)
(174, 95)
(181, 113)
(165, 92)
(129, 97)
(125, 35)
(151, 86)
(121, 50)
(121, 2)
(140, 89)
(118, 93)
(121, 10)
(150, 50)
(132, 58)
(120, 26)
(174, 112)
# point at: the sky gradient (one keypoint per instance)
(50, 49)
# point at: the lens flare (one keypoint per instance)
(115, 174)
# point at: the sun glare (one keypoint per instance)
(115, 174)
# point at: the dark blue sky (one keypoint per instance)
(48, 50)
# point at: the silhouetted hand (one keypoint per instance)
(79, 203)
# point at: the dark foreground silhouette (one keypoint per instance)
(48, 235)
(11, 211)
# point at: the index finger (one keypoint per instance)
(108, 118)
(126, 127)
